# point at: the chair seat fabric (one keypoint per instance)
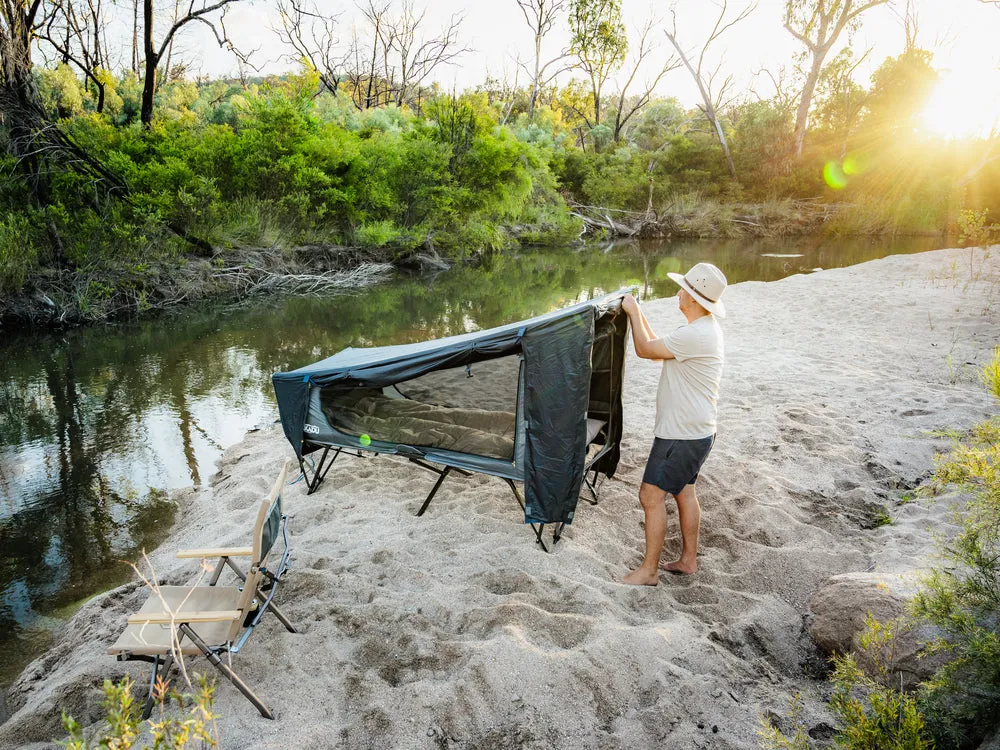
(154, 638)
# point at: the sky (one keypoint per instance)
(960, 33)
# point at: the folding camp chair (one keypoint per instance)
(212, 621)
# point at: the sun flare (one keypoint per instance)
(964, 105)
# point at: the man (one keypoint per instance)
(685, 414)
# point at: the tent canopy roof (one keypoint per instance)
(364, 357)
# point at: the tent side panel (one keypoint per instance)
(293, 406)
(614, 350)
(557, 392)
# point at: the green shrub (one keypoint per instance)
(962, 597)
(873, 714)
(973, 229)
(19, 256)
(126, 730)
(991, 374)
(377, 234)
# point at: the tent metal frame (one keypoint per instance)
(323, 468)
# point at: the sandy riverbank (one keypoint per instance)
(453, 630)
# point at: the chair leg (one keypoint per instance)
(229, 673)
(557, 533)
(168, 662)
(278, 613)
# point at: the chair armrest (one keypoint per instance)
(217, 552)
(145, 618)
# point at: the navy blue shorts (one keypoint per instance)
(674, 464)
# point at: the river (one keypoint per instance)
(98, 425)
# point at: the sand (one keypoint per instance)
(454, 630)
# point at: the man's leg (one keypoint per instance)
(652, 499)
(690, 519)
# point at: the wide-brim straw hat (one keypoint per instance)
(706, 284)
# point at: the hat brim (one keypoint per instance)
(716, 308)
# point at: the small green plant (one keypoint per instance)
(952, 373)
(874, 714)
(882, 518)
(973, 229)
(195, 728)
(772, 738)
(991, 374)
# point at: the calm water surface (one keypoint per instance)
(97, 425)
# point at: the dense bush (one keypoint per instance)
(962, 597)
(282, 161)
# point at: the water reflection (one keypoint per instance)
(96, 425)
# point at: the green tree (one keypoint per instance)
(818, 24)
(900, 89)
(599, 42)
(840, 100)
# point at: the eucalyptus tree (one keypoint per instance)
(712, 101)
(599, 43)
(19, 107)
(628, 105)
(840, 99)
(212, 14)
(818, 24)
(541, 16)
(38, 147)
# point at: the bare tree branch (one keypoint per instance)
(623, 112)
(313, 38)
(704, 83)
(154, 55)
(540, 16)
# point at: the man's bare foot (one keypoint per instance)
(640, 578)
(678, 568)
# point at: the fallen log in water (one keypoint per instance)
(250, 281)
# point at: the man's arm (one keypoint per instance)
(646, 344)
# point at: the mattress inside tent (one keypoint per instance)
(465, 410)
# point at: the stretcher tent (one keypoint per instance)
(522, 402)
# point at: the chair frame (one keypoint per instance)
(264, 582)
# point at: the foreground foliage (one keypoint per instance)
(195, 728)
(962, 597)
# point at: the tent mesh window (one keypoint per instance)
(468, 409)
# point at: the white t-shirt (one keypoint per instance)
(688, 394)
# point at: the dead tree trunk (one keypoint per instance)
(710, 102)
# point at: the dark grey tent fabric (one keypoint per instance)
(558, 350)
(557, 393)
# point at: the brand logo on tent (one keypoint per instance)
(311, 429)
